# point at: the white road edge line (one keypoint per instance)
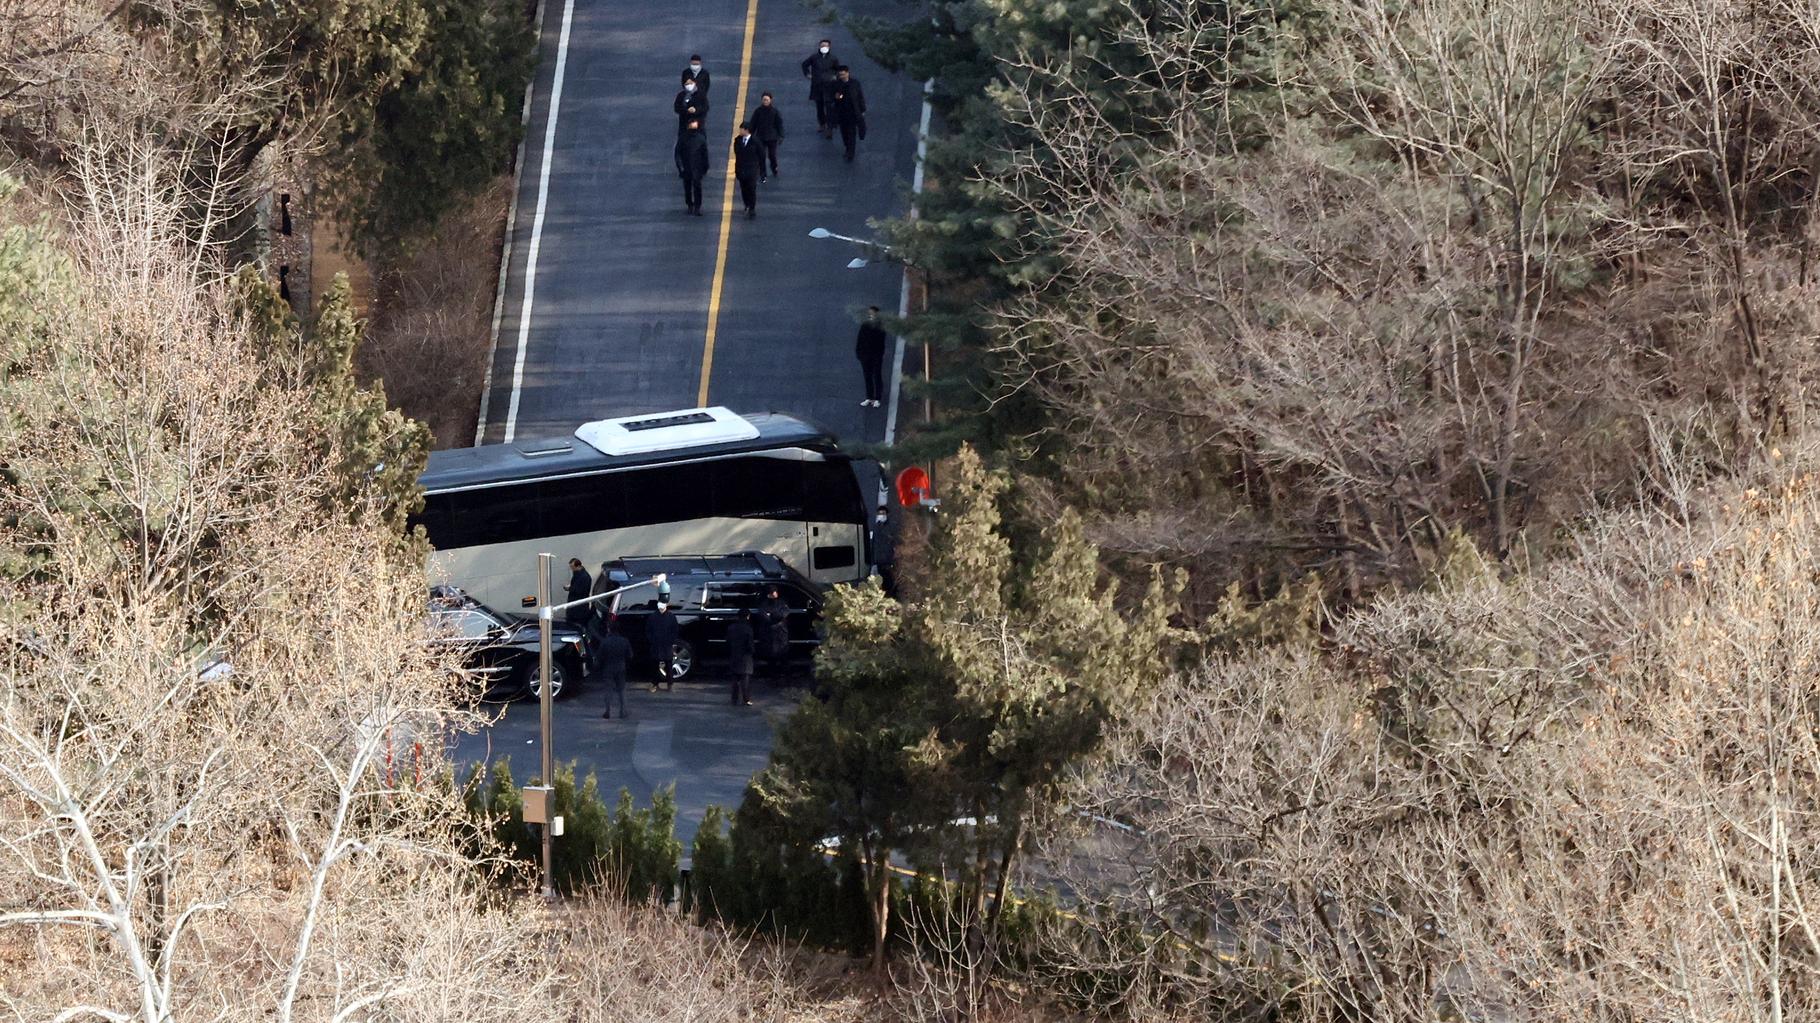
(903, 301)
(543, 195)
(505, 248)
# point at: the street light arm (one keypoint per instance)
(548, 612)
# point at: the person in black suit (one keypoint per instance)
(818, 68)
(691, 105)
(748, 167)
(660, 640)
(768, 127)
(740, 646)
(848, 106)
(698, 74)
(870, 348)
(692, 164)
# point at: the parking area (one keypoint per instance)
(691, 736)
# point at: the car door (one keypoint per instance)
(805, 619)
(476, 635)
(721, 604)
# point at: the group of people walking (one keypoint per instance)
(839, 101)
(751, 637)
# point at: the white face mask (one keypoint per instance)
(689, 87)
(880, 519)
(695, 67)
(824, 49)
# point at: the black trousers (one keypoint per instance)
(692, 193)
(848, 132)
(874, 369)
(615, 685)
(748, 191)
(771, 153)
(824, 105)
(742, 687)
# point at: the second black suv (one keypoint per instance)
(502, 651)
(707, 593)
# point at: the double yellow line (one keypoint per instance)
(726, 212)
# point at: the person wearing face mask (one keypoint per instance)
(768, 127)
(884, 550)
(690, 105)
(818, 68)
(698, 74)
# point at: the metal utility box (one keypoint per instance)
(539, 803)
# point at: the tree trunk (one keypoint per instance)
(878, 879)
(1007, 855)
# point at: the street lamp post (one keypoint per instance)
(546, 614)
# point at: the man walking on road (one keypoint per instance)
(739, 657)
(748, 167)
(660, 636)
(697, 74)
(691, 105)
(768, 127)
(870, 347)
(848, 108)
(818, 68)
(612, 653)
(692, 164)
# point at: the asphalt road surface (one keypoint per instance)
(692, 737)
(619, 297)
(609, 289)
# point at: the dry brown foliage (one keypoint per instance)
(430, 335)
(1584, 795)
(1487, 258)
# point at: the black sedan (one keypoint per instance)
(501, 652)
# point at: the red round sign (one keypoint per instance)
(913, 487)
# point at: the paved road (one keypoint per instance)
(691, 737)
(618, 314)
(623, 279)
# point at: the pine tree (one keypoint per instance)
(951, 723)
(380, 452)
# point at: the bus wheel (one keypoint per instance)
(682, 660)
(533, 680)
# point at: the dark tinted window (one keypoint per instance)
(585, 504)
(751, 488)
(737, 596)
(832, 557)
(758, 488)
(670, 493)
(831, 493)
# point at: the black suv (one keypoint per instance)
(502, 651)
(707, 593)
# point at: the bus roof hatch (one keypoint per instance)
(666, 431)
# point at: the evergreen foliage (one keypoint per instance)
(447, 129)
(406, 106)
(378, 452)
(634, 851)
(949, 723)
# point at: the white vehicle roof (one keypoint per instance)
(666, 431)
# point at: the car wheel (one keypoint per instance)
(682, 660)
(532, 680)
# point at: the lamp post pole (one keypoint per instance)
(546, 614)
(545, 707)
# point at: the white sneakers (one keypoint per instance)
(868, 402)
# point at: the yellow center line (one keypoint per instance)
(726, 211)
